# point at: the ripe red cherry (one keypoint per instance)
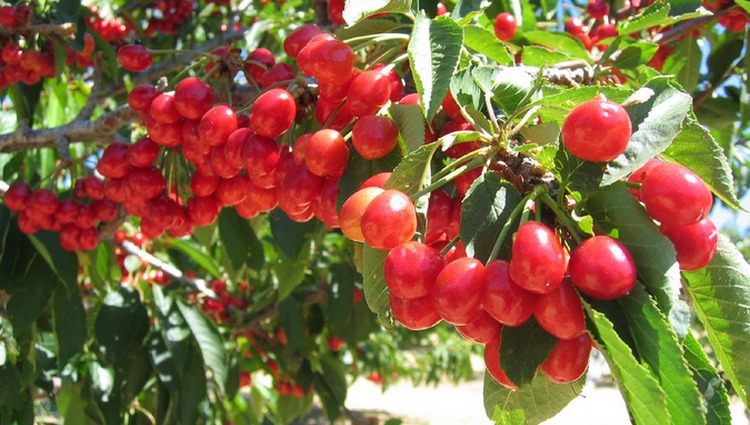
(258, 62)
(67, 211)
(146, 182)
(374, 136)
(350, 215)
(336, 11)
(602, 268)
(142, 153)
(232, 191)
(502, 299)
(438, 215)
(305, 57)
(574, 26)
(299, 38)
(326, 153)
(416, 314)
(134, 57)
(163, 109)
(458, 291)
(94, 187)
(597, 130)
(369, 92)
(332, 61)
(568, 360)
(389, 220)
(598, 9)
(260, 155)
(113, 164)
(492, 362)
(193, 97)
(324, 112)
(141, 96)
(482, 331)
(410, 269)
(695, 243)
(217, 124)
(276, 74)
(43, 201)
(505, 26)
(105, 209)
(639, 174)
(273, 113)
(560, 312)
(675, 195)
(17, 195)
(537, 263)
(88, 238)
(300, 186)
(203, 210)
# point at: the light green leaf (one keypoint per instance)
(375, 289)
(557, 106)
(434, 51)
(685, 63)
(411, 126)
(540, 56)
(366, 27)
(196, 253)
(636, 54)
(523, 350)
(483, 41)
(559, 41)
(709, 382)
(355, 11)
(414, 171)
(509, 86)
(209, 340)
(745, 4)
(720, 293)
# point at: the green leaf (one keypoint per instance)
(720, 293)
(559, 41)
(485, 210)
(358, 170)
(685, 63)
(541, 57)
(509, 86)
(483, 41)
(723, 55)
(355, 11)
(340, 297)
(293, 322)
(652, 16)
(695, 148)
(240, 241)
(655, 122)
(190, 248)
(291, 273)
(121, 324)
(744, 4)
(658, 347)
(30, 294)
(366, 27)
(330, 385)
(209, 340)
(68, 9)
(170, 351)
(64, 263)
(69, 322)
(192, 389)
(434, 50)
(531, 404)
(375, 289)
(290, 236)
(636, 55)
(557, 106)
(524, 348)
(414, 171)
(643, 395)
(614, 207)
(410, 121)
(25, 99)
(709, 382)
(70, 402)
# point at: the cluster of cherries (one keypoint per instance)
(17, 64)
(735, 20)
(112, 29)
(167, 16)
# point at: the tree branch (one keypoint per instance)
(679, 30)
(66, 29)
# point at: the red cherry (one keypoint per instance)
(86, 217)
(234, 146)
(146, 182)
(203, 210)
(163, 109)
(374, 136)
(217, 124)
(602, 268)
(458, 291)
(574, 26)
(88, 238)
(492, 362)
(43, 201)
(67, 211)
(193, 97)
(505, 301)
(299, 38)
(232, 191)
(410, 269)
(167, 134)
(301, 186)
(141, 96)
(695, 243)
(416, 314)
(598, 9)
(483, 330)
(639, 174)
(568, 360)
(134, 57)
(368, 92)
(260, 155)
(94, 187)
(273, 113)
(105, 209)
(336, 11)
(324, 115)
(438, 215)
(560, 312)
(305, 58)
(389, 220)
(535, 245)
(69, 237)
(597, 130)
(675, 195)
(113, 164)
(326, 153)
(376, 180)
(332, 61)
(258, 62)
(505, 26)
(142, 153)
(17, 195)
(350, 215)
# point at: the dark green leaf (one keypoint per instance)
(376, 292)
(25, 99)
(483, 41)
(434, 51)
(523, 350)
(695, 148)
(192, 389)
(11, 391)
(68, 9)
(209, 340)
(643, 395)
(190, 248)
(636, 54)
(656, 122)
(290, 236)
(29, 295)
(720, 293)
(559, 41)
(293, 322)
(340, 296)
(359, 169)
(69, 322)
(414, 171)
(577, 174)
(718, 112)
(486, 209)
(240, 241)
(330, 385)
(532, 404)
(466, 9)
(709, 382)
(723, 55)
(71, 402)
(410, 121)
(121, 324)
(355, 11)
(63, 262)
(163, 362)
(658, 347)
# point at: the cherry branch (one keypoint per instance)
(678, 31)
(66, 29)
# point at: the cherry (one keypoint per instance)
(193, 97)
(217, 124)
(597, 9)
(260, 198)
(389, 220)
(301, 186)
(368, 92)
(273, 113)
(277, 74)
(141, 96)
(597, 130)
(67, 211)
(336, 11)
(324, 110)
(350, 215)
(416, 314)
(86, 217)
(438, 215)
(260, 155)
(675, 195)
(234, 146)
(502, 299)
(326, 153)
(134, 57)
(639, 174)
(335, 92)
(332, 61)
(163, 109)
(94, 187)
(505, 26)
(142, 153)
(397, 86)
(574, 26)
(560, 312)
(374, 136)
(114, 189)
(68, 237)
(113, 164)
(492, 362)
(695, 243)
(203, 210)
(451, 108)
(232, 191)
(410, 269)
(602, 268)
(299, 38)
(105, 209)
(146, 182)
(458, 291)
(483, 330)
(88, 238)
(568, 360)
(537, 263)
(17, 195)
(299, 151)
(377, 180)
(305, 58)
(221, 165)
(43, 201)
(167, 134)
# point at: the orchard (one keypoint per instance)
(223, 211)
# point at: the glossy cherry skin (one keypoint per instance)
(597, 8)
(505, 26)
(17, 195)
(695, 243)
(43, 201)
(505, 301)
(193, 97)
(597, 130)
(492, 362)
(299, 38)
(324, 115)
(458, 291)
(675, 195)
(326, 153)
(203, 210)
(602, 268)
(141, 96)
(163, 110)
(639, 174)
(560, 312)
(438, 215)
(134, 57)
(537, 263)
(273, 113)
(416, 314)
(113, 164)
(263, 59)
(368, 92)
(482, 331)
(350, 215)
(260, 155)
(568, 360)
(332, 61)
(217, 124)
(389, 220)
(143, 153)
(374, 136)
(411, 269)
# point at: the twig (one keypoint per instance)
(678, 31)
(65, 30)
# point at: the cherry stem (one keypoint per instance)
(563, 217)
(450, 245)
(171, 52)
(518, 209)
(452, 172)
(633, 185)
